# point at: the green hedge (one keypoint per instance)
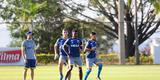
(113, 59)
(143, 60)
(106, 58)
(45, 58)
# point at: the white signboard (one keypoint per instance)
(11, 56)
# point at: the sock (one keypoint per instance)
(99, 70)
(81, 74)
(61, 76)
(87, 74)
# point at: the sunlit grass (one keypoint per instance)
(111, 72)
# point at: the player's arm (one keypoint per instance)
(65, 46)
(88, 47)
(56, 49)
(23, 51)
(35, 47)
(81, 46)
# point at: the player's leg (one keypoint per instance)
(32, 67)
(87, 73)
(25, 74)
(89, 63)
(69, 77)
(80, 73)
(78, 61)
(69, 72)
(99, 71)
(60, 66)
(71, 63)
(100, 65)
(25, 69)
(32, 74)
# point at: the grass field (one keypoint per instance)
(111, 72)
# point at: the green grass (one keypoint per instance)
(112, 72)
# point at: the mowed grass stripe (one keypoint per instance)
(142, 72)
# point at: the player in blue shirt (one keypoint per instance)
(74, 46)
(28, 52)
(59, 51)
(91, 56)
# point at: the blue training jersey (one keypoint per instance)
(74, 45)
(29, 49)
(91, 44)
(60, 42)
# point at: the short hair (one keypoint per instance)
(64, 29)
(93, 33)
(75, 30)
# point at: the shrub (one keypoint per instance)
(113, 59)
(45, 58)
(106, 59)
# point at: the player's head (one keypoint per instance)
(65, 33)
(93, 35)
(74, 33)
(29, 35)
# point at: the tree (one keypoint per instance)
(43, 15)
(148, 22)
(156, 5)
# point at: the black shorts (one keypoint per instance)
(30, 63)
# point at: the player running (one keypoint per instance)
(59, 51)
(91, 56)
(74, 46)
(28, 52)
